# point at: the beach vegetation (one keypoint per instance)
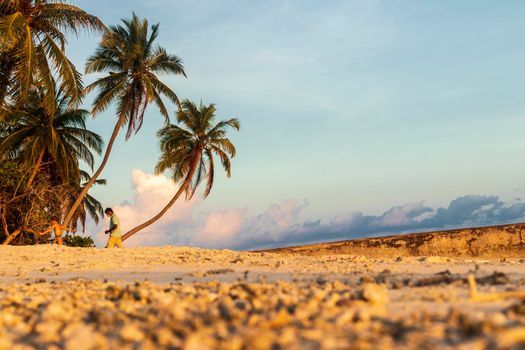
(79, 241)
(45, 150)
(44, 139)
(25, 213)
(49, 143)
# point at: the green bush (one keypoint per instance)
(78, 241)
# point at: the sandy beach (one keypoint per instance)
(265, 175)
(189, 298)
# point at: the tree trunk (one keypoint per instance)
(86, 188)
(182, 188)
(11, 237)
(36, 168)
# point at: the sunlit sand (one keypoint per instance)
(175, 297)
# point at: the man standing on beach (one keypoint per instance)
(114, 230)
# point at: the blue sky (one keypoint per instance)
(346, 107)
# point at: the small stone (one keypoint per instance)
(5, 343)
(376, 294)
(281, 319)
(433, 259)
(83, 338)
(397, 284)
(131, 333)
(50, 331)
(367, 279)
(219, 271)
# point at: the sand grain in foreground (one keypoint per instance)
(187, 298)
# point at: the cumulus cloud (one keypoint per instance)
(281, 224)
(151, 193)
(219, 226)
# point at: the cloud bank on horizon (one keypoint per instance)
(281, 225)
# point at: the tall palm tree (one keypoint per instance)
(131, 61)
(32, 32)
(35, 137)
(189, 152)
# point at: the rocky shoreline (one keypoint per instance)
(500, 241)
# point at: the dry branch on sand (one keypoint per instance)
(495, 296)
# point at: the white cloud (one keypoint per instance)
(219, 227)
(403, 214)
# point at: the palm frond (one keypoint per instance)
(32, 34)
(70, 77)
(163, 62)
(24, 68)
(224, 159)
(69, 18)
(13, 30)
(106, 95)
(29, 129)
(211, 173)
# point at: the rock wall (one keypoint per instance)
(480, 242)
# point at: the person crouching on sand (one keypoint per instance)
(114, 230)
(58, 229)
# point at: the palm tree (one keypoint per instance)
(32, 33)
(127, 54)
(35, 137)
(189, 152)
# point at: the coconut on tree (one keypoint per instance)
(131, 60)
(188, 151)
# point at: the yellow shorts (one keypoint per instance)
(114, 241)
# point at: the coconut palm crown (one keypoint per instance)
(34, 137)
(127, 53)
(188, 151)
(32, 37)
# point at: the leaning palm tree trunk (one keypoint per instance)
(93, 179)
(35, 169)
(181, 190)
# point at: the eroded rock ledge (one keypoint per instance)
(502, 241)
